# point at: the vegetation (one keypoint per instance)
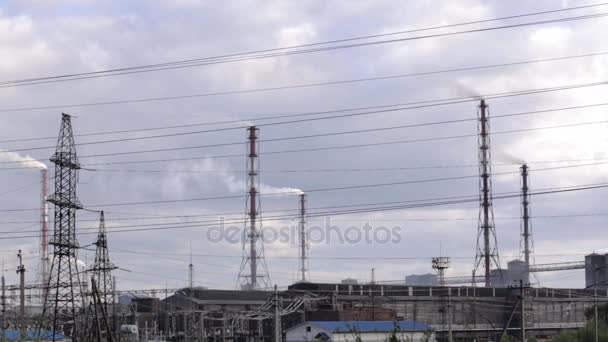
(586, 334)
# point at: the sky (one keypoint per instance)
(40, 38)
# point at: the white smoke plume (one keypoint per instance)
(462, 89)
(509, 158)
(245, 123)
(238, 185)
(25, 161)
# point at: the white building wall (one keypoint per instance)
(300, 334)
(382, 337)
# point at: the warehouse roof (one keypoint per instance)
(15, 335)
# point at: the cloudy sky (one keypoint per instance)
(40, 38)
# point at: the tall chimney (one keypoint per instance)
(44, 227)
(303, 242)
(525, 205)
(487, 250)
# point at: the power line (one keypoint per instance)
(349, 187)
(346, 212)
(243, 55)
(325, 134)
(282, 116)
(373, 169)
(412, 105)
(315, 135)
(178, 97)
(315, 257)
(339, 147)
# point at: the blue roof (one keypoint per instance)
(15, 335)
(370, 326)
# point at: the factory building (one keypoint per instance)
(596, 275)
(363, 331)
(428, 279)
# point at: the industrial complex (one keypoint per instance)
(68, 288)
(86, 304)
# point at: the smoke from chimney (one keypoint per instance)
(509, 158)
(237, 185)
(462, 89)
(25, 161)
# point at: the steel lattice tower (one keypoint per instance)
(487, 245)
(250, 276)
(64, 301)
(103, 267)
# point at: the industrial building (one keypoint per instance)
(465, 312)
(364, 331)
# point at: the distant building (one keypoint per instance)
(516, 271)
(363, 331)
(349, 281)
(596, 271)
(428, 279)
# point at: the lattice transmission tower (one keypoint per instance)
(102, 271)
(64, 301)
(487, 244)
(253, 273)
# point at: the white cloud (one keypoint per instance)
(67, 37)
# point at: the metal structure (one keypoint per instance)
(526, 229)
(63, 302)
(559, 266)
(487, 245)
(44, 228)
(441, 264)
(303, 240)
(253, 273)
(3, 298)
(102, 270)
(99, 327)
(21, 272)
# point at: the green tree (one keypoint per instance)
(585, 334)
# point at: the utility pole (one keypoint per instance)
(21, 272)
(522, 301)
(190, 321)
(277, 317)
(3, 305)
(450, 337)
(373, 283)
(595, 314)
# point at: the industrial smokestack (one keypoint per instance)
(526, 231)
(487, 251)
(303, 240)
(44, 227)
(253, 259)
